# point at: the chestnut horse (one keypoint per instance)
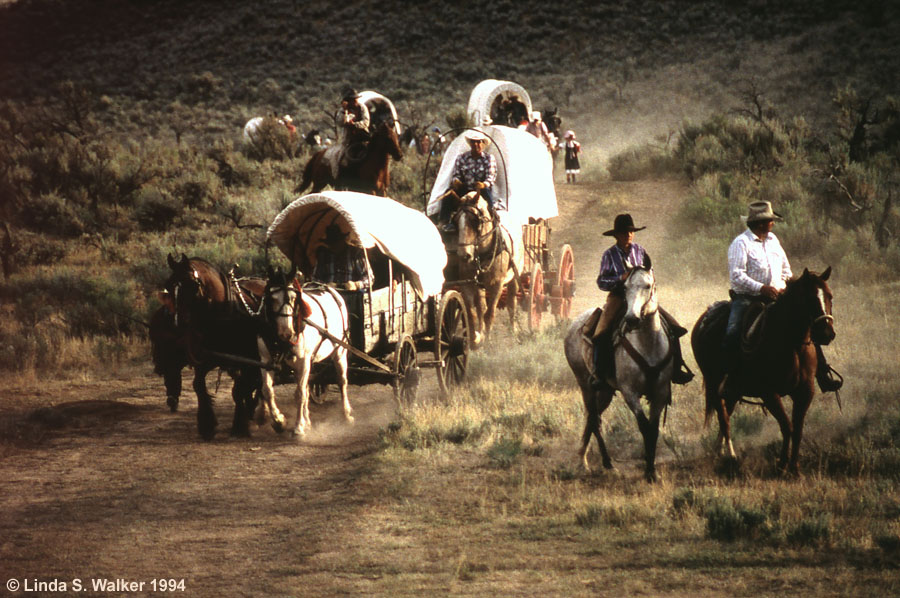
(484, 249)
(782, 362)
(370, 174)
(215, 316)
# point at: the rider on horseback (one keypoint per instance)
(758, 269)
(475, 170)
(615, 265)
(353, 127)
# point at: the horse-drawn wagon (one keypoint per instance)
(503, 102)
(524, 200)
(405, 309)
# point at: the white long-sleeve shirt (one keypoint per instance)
(753, 263)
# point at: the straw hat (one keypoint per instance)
(475, 135)
(761, 210)
(535, 115)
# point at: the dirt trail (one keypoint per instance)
(104, 482)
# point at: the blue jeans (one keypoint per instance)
(732, 340)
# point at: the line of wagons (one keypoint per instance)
(414, 305)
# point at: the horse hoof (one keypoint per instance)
(172, 402)
(350, 419)
(278, 426)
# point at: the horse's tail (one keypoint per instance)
(702, 345)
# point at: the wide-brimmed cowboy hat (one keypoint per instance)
(623, 224)
(535, 115)
(350, 94)
(287, 118)
(475, 135)
(761, 210)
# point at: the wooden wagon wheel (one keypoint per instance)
(451, 341)
(406, 371)
(565, 282)
(536, 297)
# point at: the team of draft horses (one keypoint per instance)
(766, 342)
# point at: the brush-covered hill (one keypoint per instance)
(653, 62)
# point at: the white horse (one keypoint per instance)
(644, 366)
(299, 313)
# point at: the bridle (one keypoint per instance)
(483, 218)
(290, 306)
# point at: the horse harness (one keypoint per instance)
(497, 243)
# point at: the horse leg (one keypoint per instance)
(776, 408)
(511, 302)
(723, 414)
(492, 297)
(268, 391)
(340, 366)
(172, 379)
(649, 432)
(206, 417)
(595, 403)
(301, 395)
(801, 401)
(661, 398)
(245, 382)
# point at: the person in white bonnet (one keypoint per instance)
(758, 269)
(538, 128)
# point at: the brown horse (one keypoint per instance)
(370, 174)
(484, 251)
(215, 316)
(782, 362)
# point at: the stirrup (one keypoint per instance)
(830, 381)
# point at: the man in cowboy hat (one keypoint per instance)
(353, 125)
(474, 170)
(340, 264)
(617, 261)
(758, 269)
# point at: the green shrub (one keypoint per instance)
(156, 210)
(505, 452)
(726, 522)
(811, 531)
(646, 161)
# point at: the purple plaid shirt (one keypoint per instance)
(350, 266)
(614, 264)
(473, 169)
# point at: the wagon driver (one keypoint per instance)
(615, 265)
(341, 264)
(474, 170)
(759, 270)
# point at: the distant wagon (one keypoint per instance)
(406, 310)
(503, 102)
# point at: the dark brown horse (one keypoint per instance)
(369, 174)
(782, 360)
(217, 324)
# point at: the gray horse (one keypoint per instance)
(644, 365)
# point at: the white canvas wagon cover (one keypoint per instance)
(377, 102)
(524, 187)
(401, 233)
(483, 96)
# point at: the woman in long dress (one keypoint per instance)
(573, 148)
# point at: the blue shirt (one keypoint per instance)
(616, 262)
